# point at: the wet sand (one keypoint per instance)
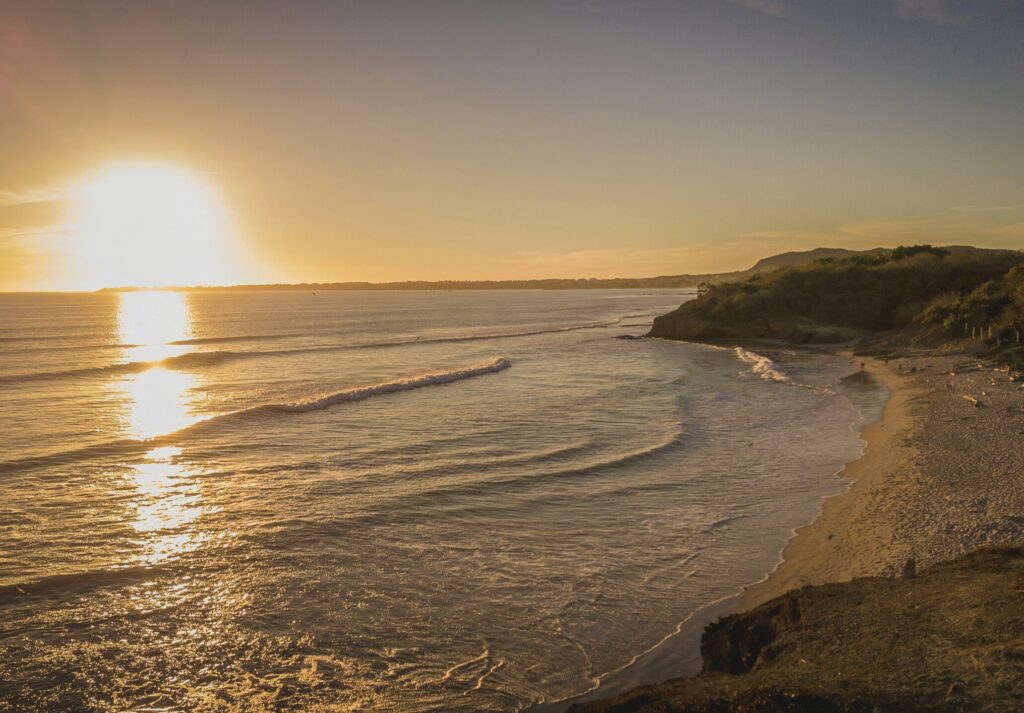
(939, 477)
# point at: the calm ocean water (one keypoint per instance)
(382, 501)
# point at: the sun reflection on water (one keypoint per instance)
(159, 402)
(150, 322)
(167, 499)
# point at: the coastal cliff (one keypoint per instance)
(838, 299)
(907, 593)
(950, 638)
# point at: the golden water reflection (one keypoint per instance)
(159, 397)
(159, 402)
(167, 499)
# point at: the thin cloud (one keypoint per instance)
(767, 7)
(987, 208)
(950, 13)
(707, 256)
(1014, 231)
(32, 195)
(23, 235)
(874, 234)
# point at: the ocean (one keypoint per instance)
(384, 501)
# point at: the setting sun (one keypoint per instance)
(148, 224)
(568, 355)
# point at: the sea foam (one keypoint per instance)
(389, 387)
(100, 450)
(763, 366)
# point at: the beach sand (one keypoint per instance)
(939, 477)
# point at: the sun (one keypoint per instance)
(146, 224)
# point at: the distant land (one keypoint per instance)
(768, 264)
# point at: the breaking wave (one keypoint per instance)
(389, 387)
(434, 378)
(763, 366)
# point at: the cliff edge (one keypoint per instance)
(948, 639)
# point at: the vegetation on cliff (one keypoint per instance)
(834, 299)
(995, 306)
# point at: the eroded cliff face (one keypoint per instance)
(689, 323)
(949, 639)
(736, 644)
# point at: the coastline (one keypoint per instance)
(847, 539)
(938, 484)
(803, 560)
(940, 477)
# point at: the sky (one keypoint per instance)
(423, 139)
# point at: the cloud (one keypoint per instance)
(951, 13)
(988, 208)
(1014, 231)
(859, 235)
(23, 235)
(768, 7)
(706, 257)
(736, 252)
(29, 256)
(873, 234)
(32, 195)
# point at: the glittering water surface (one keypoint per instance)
(369, 501)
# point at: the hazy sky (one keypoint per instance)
(481, 139)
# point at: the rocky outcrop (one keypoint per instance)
(689, 324)
(949, 638)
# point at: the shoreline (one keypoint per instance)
(678, 654)
(896, 566)
(939, 477)
(842, 542)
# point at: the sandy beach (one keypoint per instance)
(939, 480)
(940, 476)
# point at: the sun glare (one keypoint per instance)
(150, 225)
(158, 398)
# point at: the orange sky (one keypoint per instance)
(462, 140)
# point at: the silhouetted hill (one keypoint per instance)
(836, 299)
(803, 257)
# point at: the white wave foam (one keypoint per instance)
(763, 366)
(126, 445)
(389, 387)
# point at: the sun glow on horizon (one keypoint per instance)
(150, 225)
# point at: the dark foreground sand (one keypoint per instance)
(942, 475)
